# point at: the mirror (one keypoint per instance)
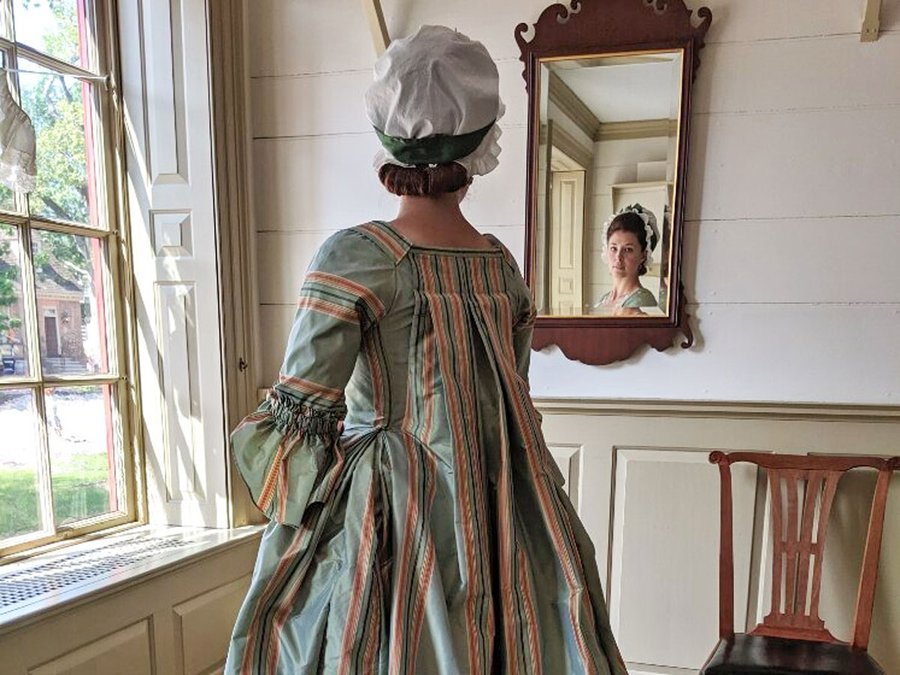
(609, 85)
(608, 141)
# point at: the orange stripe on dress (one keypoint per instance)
(398, 609)
(293, 589)
(284, 487)
(428, 563)
(506, 544)
(504, 308)
(568, 556)
(274, 585)
(428, 350)
(468, 398)
(372, 632)
(335, 473)
(546, 499)
(465, 491)
(495, 310)
(377, 377)
(488, 304)
(265, 495)
(363, 570)
(330, 308)
(310, 388)
(531, 627)
(281, 616)
(351, 287)
(251, 419)
(388, 240)
(496, 275)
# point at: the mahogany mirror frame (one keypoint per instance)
(588, 28)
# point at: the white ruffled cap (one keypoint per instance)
(437, 82)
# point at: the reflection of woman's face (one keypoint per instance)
(624, 254)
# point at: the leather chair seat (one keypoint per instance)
(756, 655)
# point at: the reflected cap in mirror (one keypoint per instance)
(435, 99)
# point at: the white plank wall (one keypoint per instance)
(792, 205)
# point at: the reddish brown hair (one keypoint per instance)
(632, 222)
(423, 181)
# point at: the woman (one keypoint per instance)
(630, 238)
(418, 521)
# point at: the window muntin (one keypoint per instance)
(64, 468)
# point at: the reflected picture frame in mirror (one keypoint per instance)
(609, 85)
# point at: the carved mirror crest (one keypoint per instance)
(609, 88)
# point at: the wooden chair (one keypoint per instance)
(792, 638)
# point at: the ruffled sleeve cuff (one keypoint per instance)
(285, 452)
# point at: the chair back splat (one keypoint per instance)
(801, 490)
(801, 503)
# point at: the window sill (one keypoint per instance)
(56, 581)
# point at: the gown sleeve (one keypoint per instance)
(523, 310)
(523, 330)
(288, 451)
(524, 314)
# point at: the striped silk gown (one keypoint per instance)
(417, 520)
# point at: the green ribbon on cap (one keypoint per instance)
(437, 149)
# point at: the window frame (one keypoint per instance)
(118, 289)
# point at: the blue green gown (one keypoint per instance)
(418, 523)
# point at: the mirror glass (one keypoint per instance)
(609, 138)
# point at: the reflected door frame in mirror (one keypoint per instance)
(597, 28)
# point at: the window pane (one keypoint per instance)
(19, 452)
(13, 347)
(61, 109)
(83, 462)
(53, 27)
(68, 274)
(7, 198)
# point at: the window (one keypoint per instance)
(64, 384)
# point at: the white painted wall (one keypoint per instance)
(793, 204)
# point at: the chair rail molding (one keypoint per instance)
(730, 409)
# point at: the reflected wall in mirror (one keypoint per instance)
(609, 85)
(608, 145)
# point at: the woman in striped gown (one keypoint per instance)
(417, 520)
